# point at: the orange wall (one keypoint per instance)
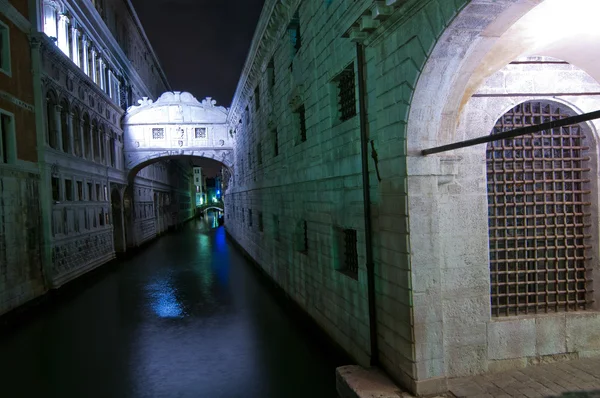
(20, 85)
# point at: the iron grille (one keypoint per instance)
(347, 94)
(539, 215)
(350, 252)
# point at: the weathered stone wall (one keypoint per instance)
(21, 272)
(320, 180)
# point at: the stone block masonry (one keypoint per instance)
(21, 274)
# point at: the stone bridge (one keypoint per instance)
(175, 125)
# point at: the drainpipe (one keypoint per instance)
(364, 143)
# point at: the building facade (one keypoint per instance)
(457, 263)
(21, 274)
(64, 172)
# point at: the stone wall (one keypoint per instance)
(21, 272)
(319, 180)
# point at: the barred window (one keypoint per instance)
(260, 222)
(257, 98)
(158, 134)
(350, 255)
(301, 114)
(294, 29)
(275, 227)
(539, 215)
(275, 142)
(249, 217)
(200, 132)
(346, 92)
(259, 153)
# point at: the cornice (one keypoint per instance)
(272, 22)
(15, 16)
(143, 33)
(101, 35)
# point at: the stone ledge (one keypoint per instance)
(357, 382)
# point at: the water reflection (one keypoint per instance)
(187, 317)
(163, 299)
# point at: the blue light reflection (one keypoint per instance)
(163, 300)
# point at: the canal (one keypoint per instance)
(188, 316)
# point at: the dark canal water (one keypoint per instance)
(186, 317)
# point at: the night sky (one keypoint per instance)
(202, 44)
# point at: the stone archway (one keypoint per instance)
(471, 78)
(116, 205)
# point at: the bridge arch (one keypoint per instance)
(176, 125)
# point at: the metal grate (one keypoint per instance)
(350, 252)
(539, 215)
(347, 94)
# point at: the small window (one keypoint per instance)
(294, 30)
(158, 134)
(98, 194)
(275, 227)
(90, 195)
(7, 153)
(259, 153)
(5, 66)
(105, 193)
(79, 190)
(350, 255)
(301, 114)
(200, 132)
(55, 189)
(101, 217)
(346, 94)
(271, 74)
(249, 217)
(303, 237)
(275, 142)
(243, 216)
(69, 190)
(261, 226)
(257, 98)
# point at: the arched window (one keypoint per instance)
(64, 125)
(539, 215)
(112, 149)
(86, 136)
(76, 132)
(51, 122)
(95, 141)
(102, 139)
